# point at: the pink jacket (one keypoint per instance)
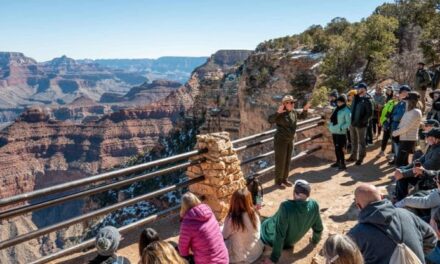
(201, 233)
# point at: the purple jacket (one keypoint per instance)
(201, 233)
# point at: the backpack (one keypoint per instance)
(256, 189)
(402, 254)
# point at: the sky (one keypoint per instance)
(44, 29)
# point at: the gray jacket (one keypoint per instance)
(431, 201)
(402, 225)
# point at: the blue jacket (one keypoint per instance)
(344, 121)
(397, 114)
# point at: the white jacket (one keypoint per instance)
(243, 246)
(409, 125)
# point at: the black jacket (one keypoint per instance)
(434, 113)
(402, 225)
(361, 111)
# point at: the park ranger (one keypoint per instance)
(286, 120)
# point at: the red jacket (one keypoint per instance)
(201, 233)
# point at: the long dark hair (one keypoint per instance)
(148, 236)
(241, 202)
(412, 104)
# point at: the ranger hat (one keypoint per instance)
(288, 98)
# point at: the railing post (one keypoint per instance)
(327, 150)
(221, 168)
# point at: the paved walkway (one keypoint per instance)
(332, 189)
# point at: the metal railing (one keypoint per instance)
(125, 182)
(97, 178)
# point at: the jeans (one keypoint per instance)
(339, 142)
(395, 142)
(402, 186)
(369, 135)
(385, 139)
(358, 144)
(405, 148)
(434, 256)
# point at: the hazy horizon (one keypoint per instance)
(132, 29)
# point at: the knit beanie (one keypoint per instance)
(107, 241)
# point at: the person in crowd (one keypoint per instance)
(379, 99)
(436, 78)
(285, 119)
(397, 114)
(148, 236)
(241, 230)
(434, 112)
(339, 124)
(292, 221)
(107, 243)
(427, 126)
(408, 129)
(332, 98)
(380, 224)
(161, 252)
(340, 249)
(415, 174)
(350, 98)
(385, 121)
(422, 82)
(361, 113)
(423, 201)
(389, 93)
(434, 256)
(200, 233)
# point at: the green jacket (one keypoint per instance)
(286, 123)
(344, 121)
(387, 110)
(289, 224)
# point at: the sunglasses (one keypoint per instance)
(289, 103)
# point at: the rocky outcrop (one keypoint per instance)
(267, 77)
(37, 152)
(81, 109)
(25, 82)
(144, 94)
(171, 68)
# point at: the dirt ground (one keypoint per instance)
(332, 189)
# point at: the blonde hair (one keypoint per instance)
(160, 252)
(189, 200)
(340, 249)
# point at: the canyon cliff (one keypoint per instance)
(233, 91)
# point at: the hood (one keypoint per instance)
(378, 213)
(201, 212)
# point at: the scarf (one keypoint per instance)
(334, 117)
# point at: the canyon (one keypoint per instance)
(235, 91)
(57, 83)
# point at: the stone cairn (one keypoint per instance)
(221, 168)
